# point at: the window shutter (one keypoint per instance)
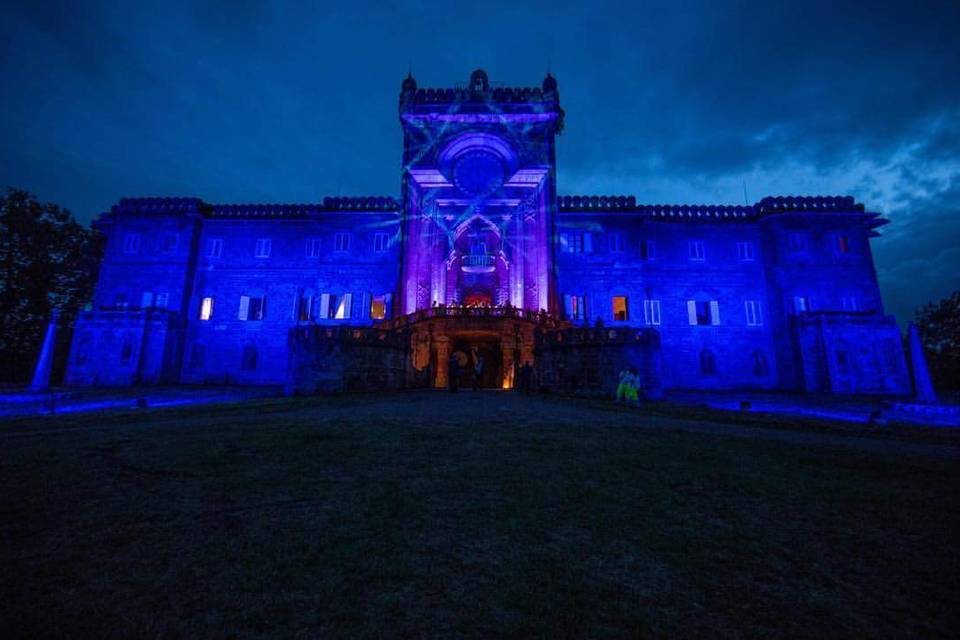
(365, 303)
(655, 307)
(387, 305)
(347, 305)
(146, 301)
(692, 311)
(759, 310)
(309, 308)
(244, 306)
(714, 312)
(587, 242)
(647, 315)
(567, 306)
(325, 306)
(564, 242)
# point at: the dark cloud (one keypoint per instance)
(678, 101)
(918, 256)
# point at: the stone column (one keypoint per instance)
(443, 361)
(508, 366)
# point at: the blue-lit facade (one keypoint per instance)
(780, 295)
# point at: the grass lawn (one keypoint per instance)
(475, 515)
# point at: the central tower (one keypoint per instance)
(479, 194)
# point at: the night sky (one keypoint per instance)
(677, 102)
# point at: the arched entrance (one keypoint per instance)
(468, 349)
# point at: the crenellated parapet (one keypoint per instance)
(497, 94)
(329, 204)
(832, 204)
(480, 101)
(478, 89)
(711, 212)
(162, 206)
(184, 206)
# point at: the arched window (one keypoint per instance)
(248, 361)
(760, 366)
(708, 363)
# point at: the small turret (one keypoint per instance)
(409, 84)
(549, 83)
(479, 83)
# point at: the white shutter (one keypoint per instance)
(655, 308)
(587, 242)
(646, 312)
(324, 306)
(146, 300)
(564, 242)
(387, 300)
(244, 307)
(568, 306)
(714, 312)
(365, 302)
(692, 311)
(759, 311)
(347, 306)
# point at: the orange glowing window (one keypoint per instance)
(378, 307)
(620, 312)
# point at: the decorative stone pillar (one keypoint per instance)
(508, 366)
(443, 361)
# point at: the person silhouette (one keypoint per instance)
(478, 372)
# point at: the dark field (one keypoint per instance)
(478, 515)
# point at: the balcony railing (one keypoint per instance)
(541, 318)
(478, 263)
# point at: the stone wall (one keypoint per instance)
(852, 353)
(334, 359)
(120, 348)
(589, 361)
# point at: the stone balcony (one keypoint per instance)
(481, 263)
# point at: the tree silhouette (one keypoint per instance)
(47, 261)
(939, 327)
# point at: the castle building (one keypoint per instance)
(479, 255)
